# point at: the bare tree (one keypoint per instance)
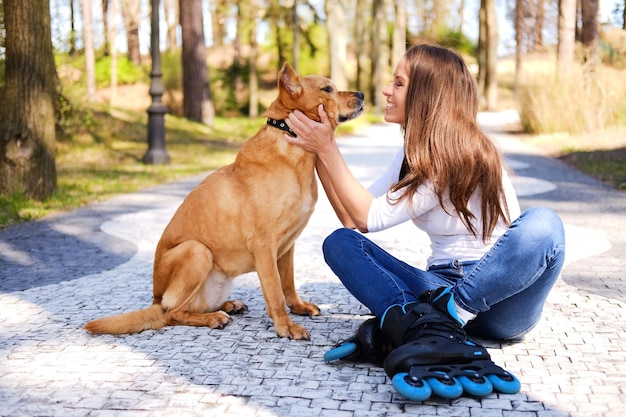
(72, 29)
(537, 37)
(170, 13)
(131, 14)
(362, 41)
(380, 53)
(253, 77)
(590, 37)
(295, 24)
(567, 36)
(488, 54)
(399, 31)
(111, 36)
(90, 54)
(27, 127)
(105, 25)
(337, 41)
(197, 103)
(519, 13)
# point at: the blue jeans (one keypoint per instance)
(506, 288)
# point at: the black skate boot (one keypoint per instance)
(367, 345)
(434, 355)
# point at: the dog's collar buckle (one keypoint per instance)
(280, 124)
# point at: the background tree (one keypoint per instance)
(488, 54)
(131, 12)
(589, 36)
(90, 55)
(170, 13)
(253, 76)
(337, 41)
(566, 36)
(197, 103)
(111, 36)
(105, 26)
(399, 31)
(27, 121)
(519, 14)
(362, 45)
(380, 53)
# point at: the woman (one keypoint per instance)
(491, 269)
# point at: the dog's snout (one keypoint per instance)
(359, 95)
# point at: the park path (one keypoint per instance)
(59, 273)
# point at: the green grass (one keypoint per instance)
(101, 157)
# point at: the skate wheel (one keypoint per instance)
(476, 386)
(445, 387)
(506, 384)
(413, 390)
(340, 352)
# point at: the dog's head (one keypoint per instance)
(308, 92)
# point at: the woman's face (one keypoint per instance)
(396, 93)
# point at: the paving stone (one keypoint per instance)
(59, 273)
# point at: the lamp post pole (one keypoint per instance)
(156, 153)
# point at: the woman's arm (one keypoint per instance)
(344, 191)
(335, 202)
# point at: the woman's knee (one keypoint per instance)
(336, 242)
(543, 223)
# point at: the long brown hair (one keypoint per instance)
(443, 143)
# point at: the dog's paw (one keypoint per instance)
(293, 331)
(306, 309)
(234, 307)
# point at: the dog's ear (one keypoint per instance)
(289, 80)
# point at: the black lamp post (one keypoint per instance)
(156, 153)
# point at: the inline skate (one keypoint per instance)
(434, 355)
(367, 345)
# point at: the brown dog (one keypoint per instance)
(243, 217)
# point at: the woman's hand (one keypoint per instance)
(348, 197)
(315, 137)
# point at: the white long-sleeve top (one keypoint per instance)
(450, 239)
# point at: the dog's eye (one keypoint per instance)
(328, 89)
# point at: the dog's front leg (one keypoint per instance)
(293, 300)
(266, 267)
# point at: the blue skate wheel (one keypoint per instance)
(445, 387)
(506, 384)
(408, 388)
(340, 352)
(475, 385)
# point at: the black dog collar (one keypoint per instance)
(280, 124)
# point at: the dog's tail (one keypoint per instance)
(152, 317)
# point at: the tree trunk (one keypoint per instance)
(170, 11)
(380, 54)
(197, 103)
(72, 29)
(131, 14)
(399, 32)
(567, 36)
(111, 35)
(27, 124)
(489, 51)
(539, 21)
(519, 43)
(218, 17)
(296, 37)
(253, 82)
(90, 55)
(362, 40)
(336, 27)
(590, 37)
(105, 25)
